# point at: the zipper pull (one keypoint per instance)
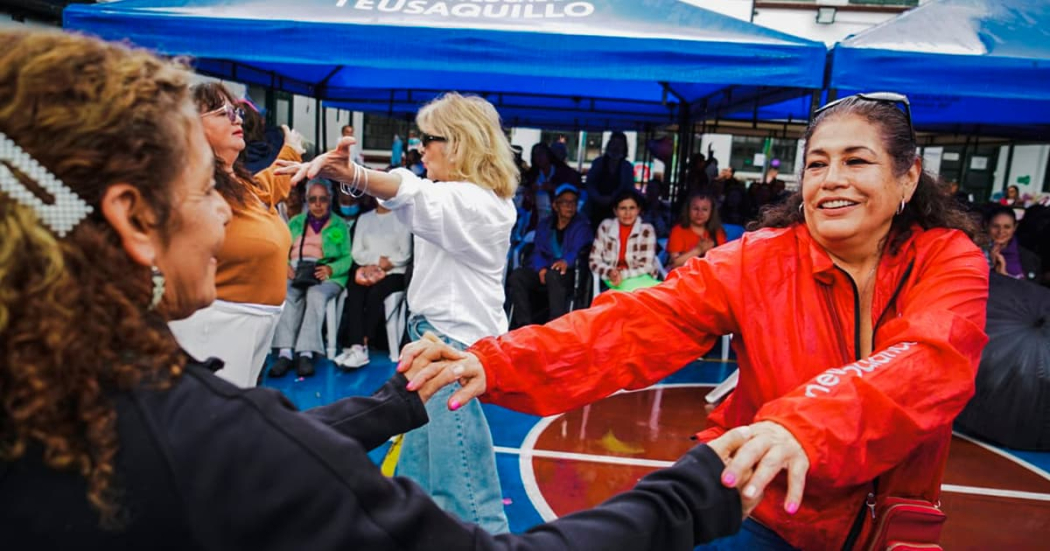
(871, 504)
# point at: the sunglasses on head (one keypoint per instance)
(882, 97)
(425, 139)
(232, 113)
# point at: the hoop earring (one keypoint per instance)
(158, 287)
(800, 205)
(900, 209)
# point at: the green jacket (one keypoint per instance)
(335, 244)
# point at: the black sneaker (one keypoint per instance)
(280, 367)
(304, 366)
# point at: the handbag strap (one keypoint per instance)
(302, 241)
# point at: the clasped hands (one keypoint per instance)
(754, 454)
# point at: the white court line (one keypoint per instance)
(974, 490)
(539, 502)
(609, 459)
(1005, 454)
(526, 455)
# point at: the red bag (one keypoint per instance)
(904, 524)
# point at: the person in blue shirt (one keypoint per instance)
(559, 240)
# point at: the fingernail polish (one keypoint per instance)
(729, 479)
(411, 385)
(791, 508)
(750, 492)
(453, 405)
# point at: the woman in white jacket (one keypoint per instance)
(461, 217)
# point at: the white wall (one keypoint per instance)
(1030, 161)
(722, 145)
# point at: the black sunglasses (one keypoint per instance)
(884, 97)
(425, 139)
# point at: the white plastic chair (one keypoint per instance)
(395, 308)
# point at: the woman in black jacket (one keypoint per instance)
(111, 437)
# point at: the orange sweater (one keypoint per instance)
(253, 262)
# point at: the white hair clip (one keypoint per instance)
(68, 209)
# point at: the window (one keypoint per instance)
(379, 132)
(742, 155)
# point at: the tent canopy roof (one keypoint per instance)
(650, 55)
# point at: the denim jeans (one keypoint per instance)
(751, 537)
(452, 457)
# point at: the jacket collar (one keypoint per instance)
(823, 268)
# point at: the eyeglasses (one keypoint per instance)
(425, 139)
(319, 199)
(883, 97)
(232, 113)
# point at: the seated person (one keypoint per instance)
(624, 251)
(1005, 255)
(551, 269)
(319, 237)
(698, 231)
(382, 250)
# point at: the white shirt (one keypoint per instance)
(382, 235)
(462, 235)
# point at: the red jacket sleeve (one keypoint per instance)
(859, 420)
(621, 342)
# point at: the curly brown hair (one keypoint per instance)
(929, 207)
(236, 188)
(75, 323)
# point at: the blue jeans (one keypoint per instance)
(452, 457)
(751, 537)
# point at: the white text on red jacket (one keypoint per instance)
(832, 377)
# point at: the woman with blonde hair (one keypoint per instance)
(461, 218)
(113, 438)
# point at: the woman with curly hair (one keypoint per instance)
(113, 438)
(857, 309)
(252, 273)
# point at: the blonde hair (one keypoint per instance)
(477, 148)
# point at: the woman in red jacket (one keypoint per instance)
(858, 318)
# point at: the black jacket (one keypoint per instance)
(206, 465)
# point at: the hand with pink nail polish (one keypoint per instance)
(726, 446)
(770, 449)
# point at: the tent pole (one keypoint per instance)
(318, 116)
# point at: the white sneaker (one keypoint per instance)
(342, 356)
(357, 357)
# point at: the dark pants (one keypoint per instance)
(525, 290)
(363, 309)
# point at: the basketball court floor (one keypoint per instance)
(994, 498)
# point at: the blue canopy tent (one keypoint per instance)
(593, 64)
(968, 67)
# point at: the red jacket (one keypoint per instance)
(792, 313)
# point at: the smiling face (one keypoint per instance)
(188, 259)
(849, 188)
(1001, 228)
(627, 211)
